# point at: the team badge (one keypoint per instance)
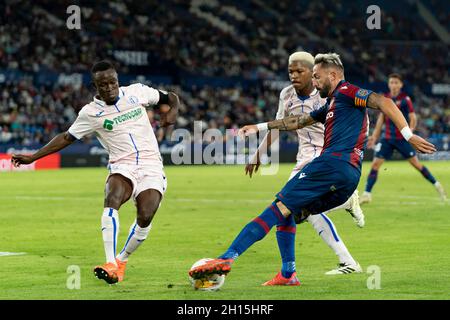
(362, 92)
(133, 99)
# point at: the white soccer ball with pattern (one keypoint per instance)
(210, 283)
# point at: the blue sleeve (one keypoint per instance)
(320, 115)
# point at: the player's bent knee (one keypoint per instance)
(113, 201)
(145, 216)
(377, 163)
(283, 209)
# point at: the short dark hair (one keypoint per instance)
(102, 66)
(396, 75)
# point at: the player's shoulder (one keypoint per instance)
(134, 87)
(287, 91)
(404, 96)
(89, 108)
(350, 90)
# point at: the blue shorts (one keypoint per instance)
(385, 148)
(321, 185)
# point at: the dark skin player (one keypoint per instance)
(118, 188)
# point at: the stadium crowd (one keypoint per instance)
(248, 39)
(34, 115)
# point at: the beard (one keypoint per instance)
(325, 89)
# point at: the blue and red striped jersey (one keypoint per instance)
(346, 123)
(403, 102)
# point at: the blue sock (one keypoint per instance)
(427, 175)
(371, 179)
(286, 243)
(254, 231)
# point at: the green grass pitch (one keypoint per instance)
(54, 217)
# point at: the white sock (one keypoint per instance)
(136, 236)
(110, 230)
(326, 230)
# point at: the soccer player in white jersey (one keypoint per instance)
(302, 98)
(117, 115)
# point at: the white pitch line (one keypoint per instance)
(4, 254)
(382, 203)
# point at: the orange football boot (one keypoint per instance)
(215, 266)
(121, 266)
(279, 280)
(107, 272)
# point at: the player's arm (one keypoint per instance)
(172, 100)
(412, 121)
(390, 110)
(59, 142)
(411, 113)
(285, 124)
(376, 132)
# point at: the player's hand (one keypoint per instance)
(371, 142)
(245, 131)
(421, 145)
(18, 159)
(252, 166)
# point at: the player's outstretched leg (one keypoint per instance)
(414, 161)
(136, 236)
(117, 191)
(327, 231)
(110, 230)
(147, 203)
(352, 206)
(251, 233)
(286, 243)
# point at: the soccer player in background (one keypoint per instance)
(392, 140)
(331, 178)
(302, 98)
(118, 117)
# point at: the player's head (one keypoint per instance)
(395, 83)
(328, 70)
(105, 80)
(300, 70)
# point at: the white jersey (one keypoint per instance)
(123, 129)
(310, 138)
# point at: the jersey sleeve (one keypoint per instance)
(409, 104)
(358, 96)
(320, 114)
(361, 97)
(82, 126)
(149, 94)
(280, 113)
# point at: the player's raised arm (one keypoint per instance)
(171, 116)
(390, 110)
(376, 132)
(59, 142)
(285, 124)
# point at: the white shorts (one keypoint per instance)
(142, 177)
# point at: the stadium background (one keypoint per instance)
(226, 60)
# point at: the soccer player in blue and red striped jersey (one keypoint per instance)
(330, 179)
(392, 140)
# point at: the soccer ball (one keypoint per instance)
(210, 283)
